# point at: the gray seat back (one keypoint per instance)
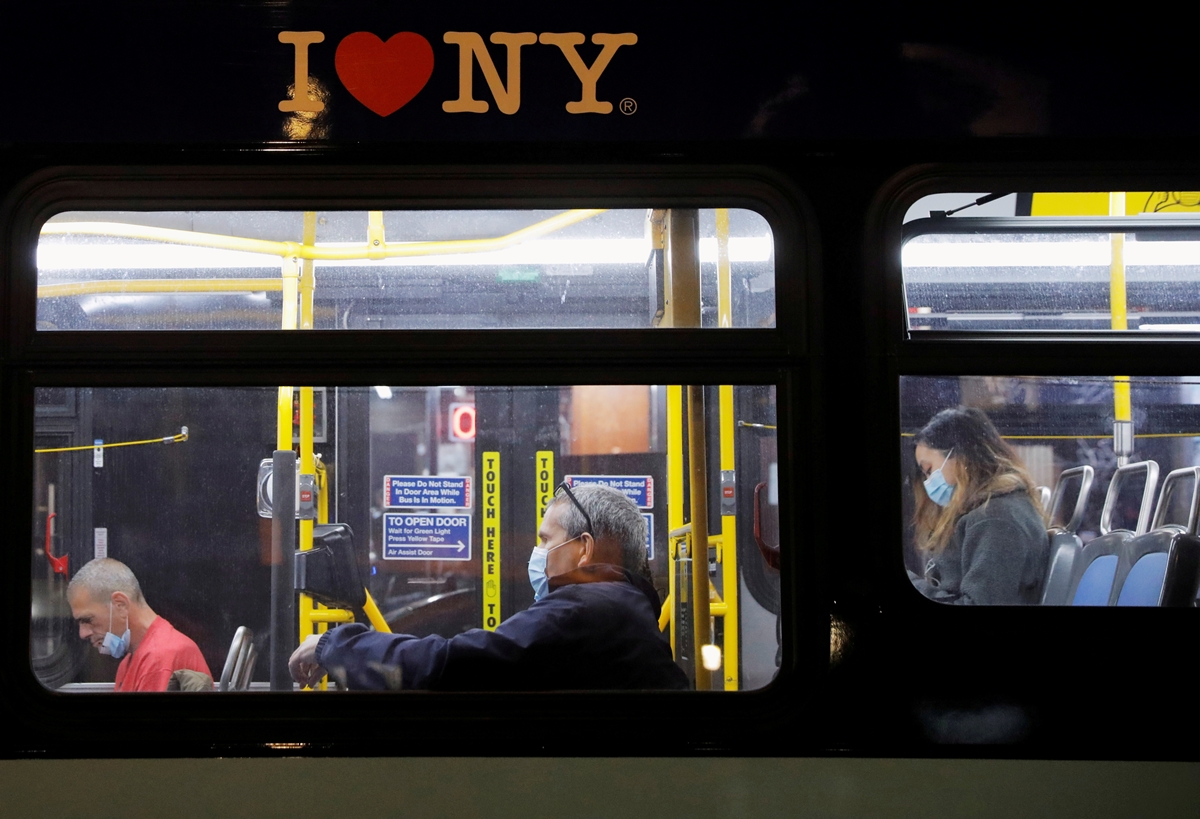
(1064, 551)
(239, 663)
(1162, 566)
(1094, 573)
(1065, 544)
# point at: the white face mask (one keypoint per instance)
(114, 645)
(537, 568)
(936, 486)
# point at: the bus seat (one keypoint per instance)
(1162, 567)
(1096, 582)
(1064, 550)
(1094, 573)
(1143, 585)
(239, 663)
(1065, 544)
(185, 679)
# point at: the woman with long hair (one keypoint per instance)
(979, 523)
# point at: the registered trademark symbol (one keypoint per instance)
(628, 106)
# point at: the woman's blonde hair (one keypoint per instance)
(987, 466)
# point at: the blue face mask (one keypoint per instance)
(537, 569)
(936, 487)
(114, 645)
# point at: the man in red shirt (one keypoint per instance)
(107, 602)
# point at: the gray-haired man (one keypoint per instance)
(593, 624)
(107, 602)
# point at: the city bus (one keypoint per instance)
(311, 308)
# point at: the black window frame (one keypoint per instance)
(899, 351)
(473, 723)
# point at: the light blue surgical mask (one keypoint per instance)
(114, 645)
(537, 568)
(936, 487)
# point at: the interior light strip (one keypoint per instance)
(1046, 254)
(79, 256)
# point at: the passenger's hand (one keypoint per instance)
(303, 662)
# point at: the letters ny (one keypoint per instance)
(386, 75)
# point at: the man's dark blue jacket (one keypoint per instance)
(596, 629)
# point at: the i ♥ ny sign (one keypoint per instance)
(385, 75)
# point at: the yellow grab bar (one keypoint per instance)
(375, 616)
(302, 251)
(51, 291)
(169, 439)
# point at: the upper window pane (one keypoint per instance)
(406, 270)
(1126, 261)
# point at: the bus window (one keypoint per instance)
(406, 270)
(1025, 490)
(414, 510)
(1123, 261)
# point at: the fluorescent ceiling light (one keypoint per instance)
(384, 392)
(77, 256)
(1047, 254)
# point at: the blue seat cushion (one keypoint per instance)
(1096, 584)
(1143, 586)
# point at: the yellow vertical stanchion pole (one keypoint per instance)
(284, 412)
(307, 467)
(306, 289)
(1122, 405)
(674, 485)
(728, 556)
(376, 242)
(307, 607)
(322, 517)
(724, 277)
(290, 275)
(698, 495)
(681, 263)
(308, 279)
(322, 496)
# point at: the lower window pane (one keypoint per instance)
(414, 511)
(1052, 490)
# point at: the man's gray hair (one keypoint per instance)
(103, 576)
(614, 516)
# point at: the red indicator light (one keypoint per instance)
(462, 422)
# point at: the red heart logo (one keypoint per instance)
(384, 76)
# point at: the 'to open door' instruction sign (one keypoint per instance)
(415, 536)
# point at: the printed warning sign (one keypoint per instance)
(409, 536)
(638, 488)
(426, 491)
